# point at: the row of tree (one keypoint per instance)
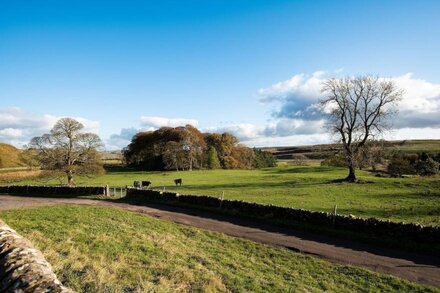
(186, 148)
(69, 151)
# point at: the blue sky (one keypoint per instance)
(122, 66)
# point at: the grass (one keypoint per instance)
(412, 199)
(9, 156)
(97, 249)
(10, 176)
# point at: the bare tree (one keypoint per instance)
(358, 109)
(69, 150)
(372, 154)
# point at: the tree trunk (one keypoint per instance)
(69, 178)
(351, 174)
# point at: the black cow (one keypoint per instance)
(136, 184)
(178, 181)
(146, 183)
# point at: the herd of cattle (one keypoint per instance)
(146, 183)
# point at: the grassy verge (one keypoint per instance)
(412, 199)
(96, 249)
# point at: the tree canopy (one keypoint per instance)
(186, 148)
(68, 150)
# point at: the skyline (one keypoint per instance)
(252, 68)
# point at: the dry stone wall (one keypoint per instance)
(23, 268)
(53, 190)
(373, 227)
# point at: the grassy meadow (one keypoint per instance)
(410, 199)
(97, 249)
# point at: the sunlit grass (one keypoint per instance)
(414, 199)
(97, 249)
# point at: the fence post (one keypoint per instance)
(221, 200)
(335, 209)
(107, 190)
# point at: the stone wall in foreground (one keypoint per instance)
(23, 268)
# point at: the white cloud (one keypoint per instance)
(415, 133)
(122, 139)
(420, 95)
(243, 131)
(11, 132)
(292, 140)
(297, 97)
(303, 86)
(282, 131)
(17, 127)
(296, 119)
(157, 122)
(288, 127)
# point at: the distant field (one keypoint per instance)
(97, 249)
(418, 146)
(325, 150)
(413, 199)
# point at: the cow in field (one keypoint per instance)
(146, 183)
(136, 184)
(178, 181)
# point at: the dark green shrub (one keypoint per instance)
(337, 160)
(213, 160)
(401, 164)
(427, 167)
(263, 159)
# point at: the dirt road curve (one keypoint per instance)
(417, 268)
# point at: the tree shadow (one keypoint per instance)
(303, 170)
(246, 185)
(302, 232)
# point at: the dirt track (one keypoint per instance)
(414, 267)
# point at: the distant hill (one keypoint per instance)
(324, 150)
(9, 156)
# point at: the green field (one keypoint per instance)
(412, 199)
(97, 249)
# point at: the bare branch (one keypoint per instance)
(358, 110)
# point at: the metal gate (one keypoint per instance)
(117, 192)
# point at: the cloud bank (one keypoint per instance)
(297, 98)
(294, 117)
(18, 127)
(157, 122)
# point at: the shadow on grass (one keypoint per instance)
(302, 170)
(355, 241)
(245, 185)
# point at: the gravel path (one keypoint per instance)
(414, 267)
